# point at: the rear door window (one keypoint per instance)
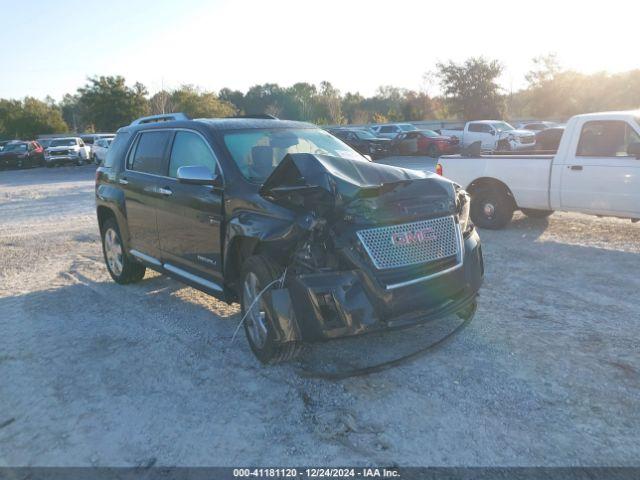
(150, 152)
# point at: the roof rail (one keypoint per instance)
(164, 117)
(264, 116)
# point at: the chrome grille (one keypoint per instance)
(411, 243)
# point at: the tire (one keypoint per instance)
(257, 272)
(533, 213)
(491, 208)
(122, 268)
(433, 152)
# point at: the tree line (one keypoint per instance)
(469, 90)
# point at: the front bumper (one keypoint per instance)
(338, 304)
(522, 146)
(53, 159)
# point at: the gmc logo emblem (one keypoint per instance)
(413, 237)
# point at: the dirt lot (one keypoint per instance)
(93, 373)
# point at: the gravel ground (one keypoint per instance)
(93, 373)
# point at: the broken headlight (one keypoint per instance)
(463, 205)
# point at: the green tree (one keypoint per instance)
(109, 103)
(199, 104)
(470, 88)
(29, 117)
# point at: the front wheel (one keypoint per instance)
(491, 208)
(122, 268)
(258, 272)
(534, 213)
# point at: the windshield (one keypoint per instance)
(502, 126)
(64, 142)
(364, 135)
(429, 133)
(15, 147)
(407, 127)
(258, 152)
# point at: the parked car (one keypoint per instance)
(595, 171)
(363, 141)
(392, 130)
(549, 139)
(44, 142)
(21, 154)
(99, 149)
(314, 241)
(493, 135)
(90, 138)
(424, 142)
(536, 126)
(67, 150)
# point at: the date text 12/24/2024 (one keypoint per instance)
(316, 473)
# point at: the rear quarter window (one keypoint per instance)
(117, 149)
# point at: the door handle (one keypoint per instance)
(123, 181)
(575, 167)
(165, 191)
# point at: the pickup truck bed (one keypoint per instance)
(595, 171)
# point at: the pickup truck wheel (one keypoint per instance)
(491, 208)
(534, 213)
(122, 268)
(258, 272)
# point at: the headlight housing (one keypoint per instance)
(463, 207)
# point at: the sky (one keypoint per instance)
(50, 48)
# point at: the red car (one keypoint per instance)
(424, 142)
(21, 154)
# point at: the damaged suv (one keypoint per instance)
(312, 239)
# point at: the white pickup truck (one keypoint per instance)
(493, 135)
(596, 170)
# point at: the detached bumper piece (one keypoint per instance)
(337, 304)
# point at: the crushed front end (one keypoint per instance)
(384, 247)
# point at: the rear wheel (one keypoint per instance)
(491, 208)
(258, 272)
(534, 213)
(122, 268)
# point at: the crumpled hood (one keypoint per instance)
(326, 185)
(516, 132)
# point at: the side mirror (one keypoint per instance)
(633, 150)
(198, 175)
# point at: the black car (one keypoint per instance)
(549, 139)
(313, 240)
(363, 141)
(19, 154)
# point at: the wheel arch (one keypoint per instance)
(494, 184)
(238, 249)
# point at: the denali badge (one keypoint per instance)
(412, 237)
